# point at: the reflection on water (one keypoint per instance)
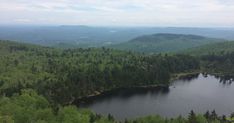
(199, 92)
(189, 77)
(124, 94)
(225, 79)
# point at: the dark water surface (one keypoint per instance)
(200, 93)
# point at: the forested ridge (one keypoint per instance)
(219, 64)
(216, 58)
(219, 48)
(38, 84)
(164, 43)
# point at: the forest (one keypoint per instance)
(165, 43)
(39, 84)
(219, 64)
(116, 61)
(219, 48)
(63, 75)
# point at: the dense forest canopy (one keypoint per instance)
(219, 48)
(164, 42)
(219, 64)
(216, 58)
(63, 75)
(36, 80)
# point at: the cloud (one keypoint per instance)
(23, 20)
(120, 12)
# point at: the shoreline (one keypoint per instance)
(99, 93)
(174, 77)
(178, 76)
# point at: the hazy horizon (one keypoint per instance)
(122, 13)
(115, 26)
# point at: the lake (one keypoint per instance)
(199, 93)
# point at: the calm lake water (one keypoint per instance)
(199, 93)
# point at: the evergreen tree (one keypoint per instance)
(192, 117)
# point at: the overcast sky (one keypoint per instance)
(192, 13)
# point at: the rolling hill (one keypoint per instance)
(215, 48)
(164, 42)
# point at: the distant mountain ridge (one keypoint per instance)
(165, 36)
(102, 36)
(164, 42)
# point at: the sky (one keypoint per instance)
(183, 13)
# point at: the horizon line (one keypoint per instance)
(113, 26)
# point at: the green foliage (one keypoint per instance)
(35, 81)
(6, 119)
(64, 75)
(159, 43)
(29, 107)
(150, 119)
(71, 115)
(216, 58)
(192, 118)
(26, 107)
(214, 48)
(219, 64)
